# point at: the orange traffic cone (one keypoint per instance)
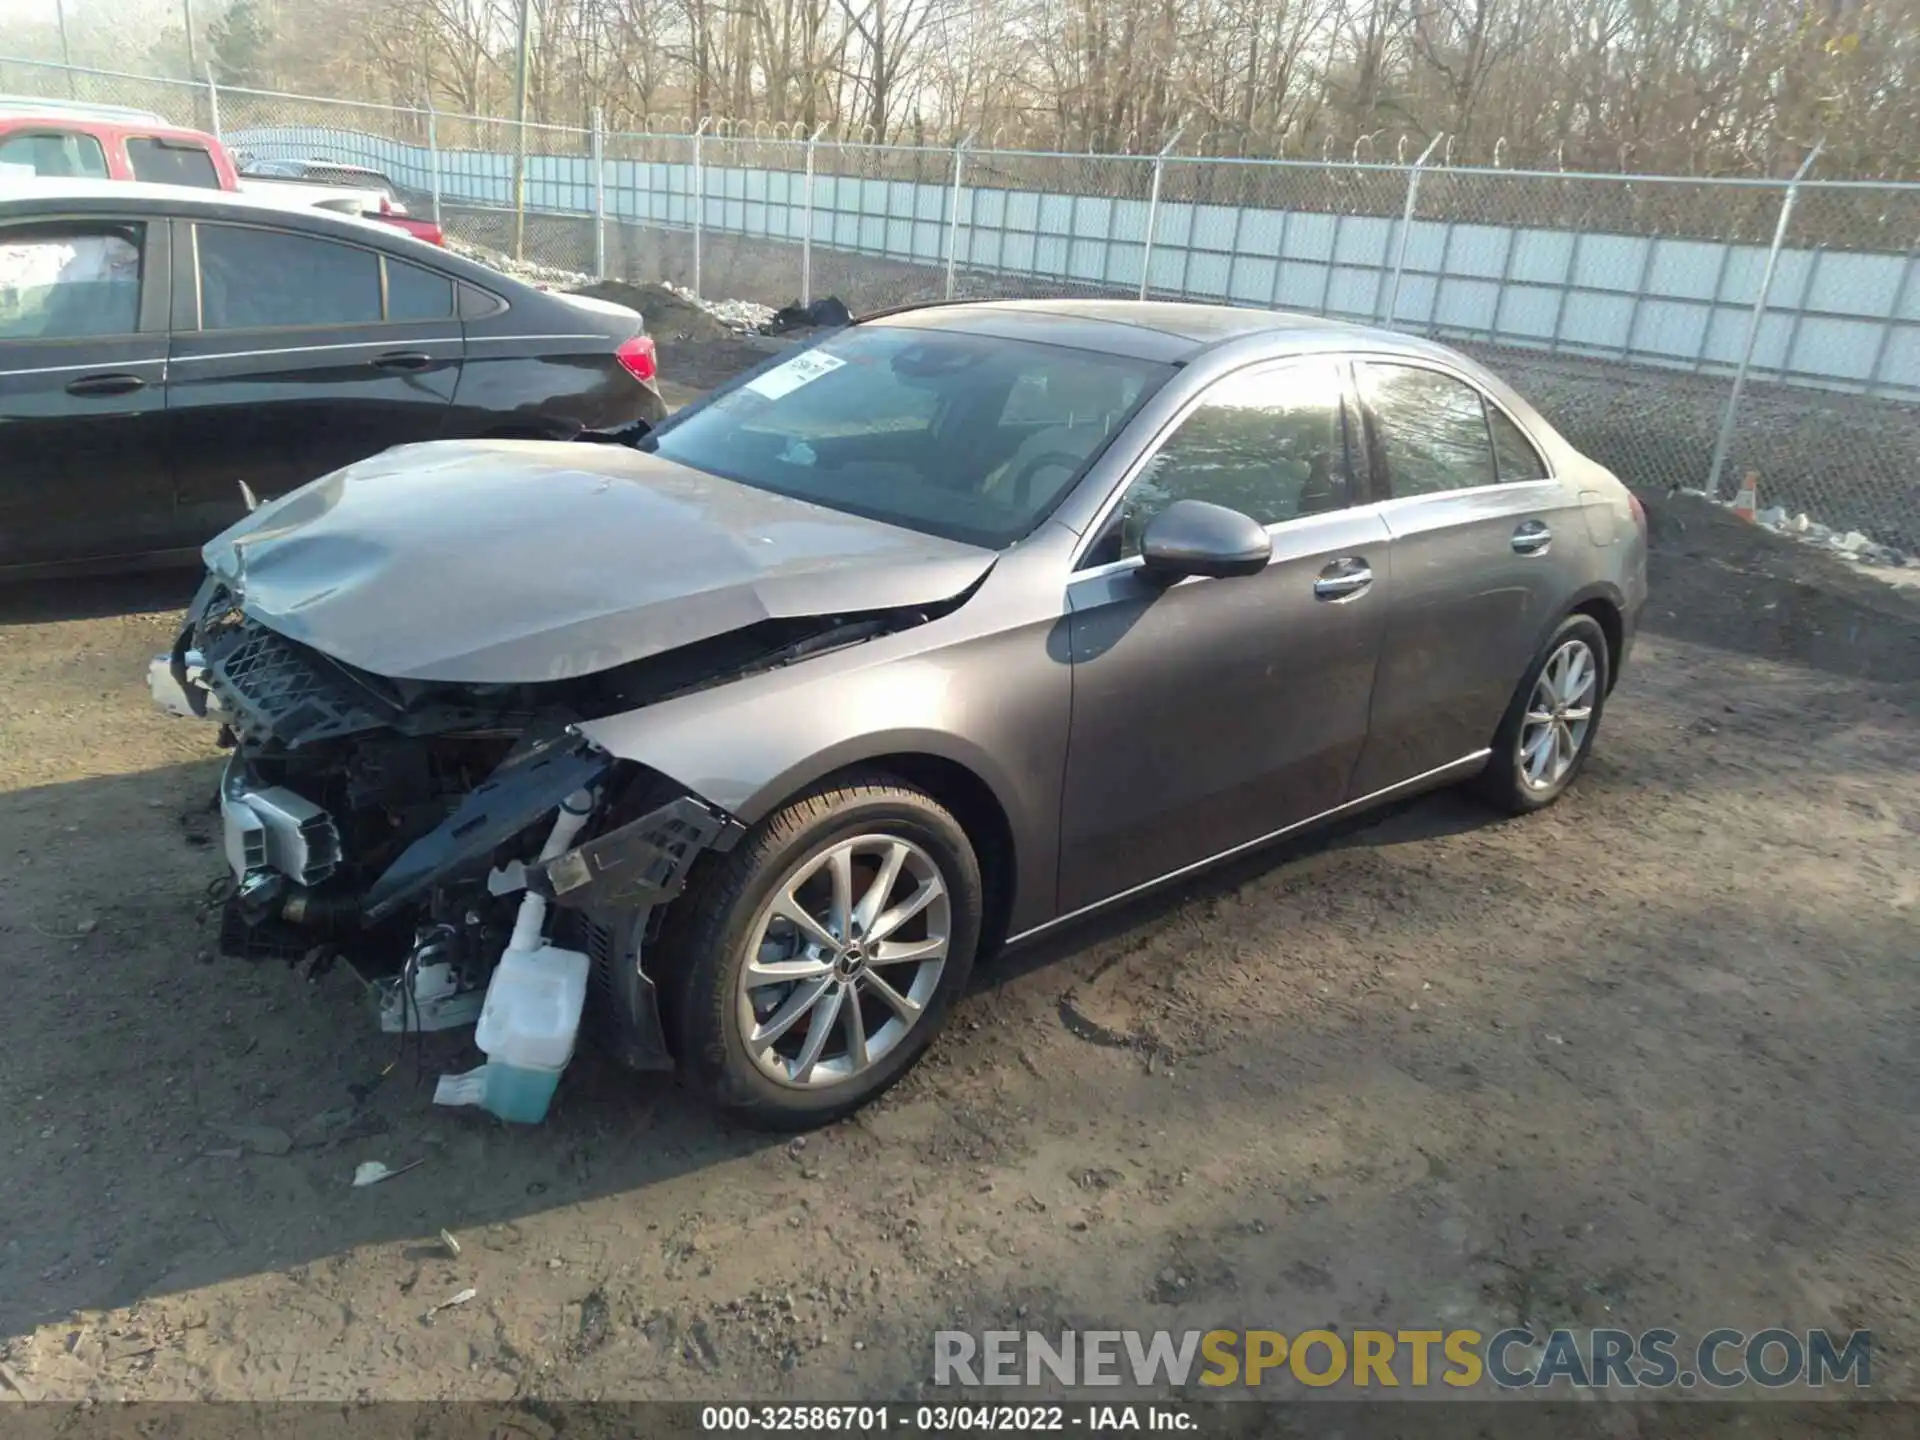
(1746, 501)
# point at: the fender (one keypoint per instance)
(748, 746)
(1599, 590)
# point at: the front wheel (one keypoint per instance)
(1548, 731)
(812, 965)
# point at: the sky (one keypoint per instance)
(35, 10)
(114, 34)
(126, 14)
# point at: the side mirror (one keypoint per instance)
(1194, 537)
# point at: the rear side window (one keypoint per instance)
(1517, 458)
(54, 152)
(1433, 429)
(416, 294)
(68, 282)
(250, 279)
(172, 162)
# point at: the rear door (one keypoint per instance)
(1474, 515)
(84, 469)
(294, 354)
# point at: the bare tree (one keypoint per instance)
(1693, 86)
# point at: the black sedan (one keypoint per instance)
(168, 357)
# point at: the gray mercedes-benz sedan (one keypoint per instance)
(958, 624)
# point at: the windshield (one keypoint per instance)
(968, 437)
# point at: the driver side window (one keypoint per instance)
(1270, 443)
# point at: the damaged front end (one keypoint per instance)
(409, 825)
(405, 657)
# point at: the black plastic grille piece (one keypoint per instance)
(597, 940)
(275, 690)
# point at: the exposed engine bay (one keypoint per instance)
(404, 823)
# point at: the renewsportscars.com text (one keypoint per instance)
(1512, 1359)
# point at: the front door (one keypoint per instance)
(83, 368)
(1210, 713)
(295, 354)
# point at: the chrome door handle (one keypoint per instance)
(1532, 538)
(1343, 578)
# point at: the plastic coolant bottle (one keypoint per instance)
(527, 1027)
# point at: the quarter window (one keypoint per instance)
(251, 279)
(1512, 451)
(1269, 443)
(172, 162)
(67, 282)
(416, 294)
(1433, 430)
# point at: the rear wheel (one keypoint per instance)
(1548, 731)
(811, 966)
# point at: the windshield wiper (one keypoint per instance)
(635, 435)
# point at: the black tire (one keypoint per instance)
(1503, 784)
(703, 945)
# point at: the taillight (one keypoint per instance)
(637, 358)
(1639, 514)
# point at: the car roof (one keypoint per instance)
(35, 107)
(315, 162)
(73, 194)
(133, 125)
(1168, 331)
(23, 199)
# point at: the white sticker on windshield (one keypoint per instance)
(801, 370)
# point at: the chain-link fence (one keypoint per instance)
(1684, 331)
(180, 102)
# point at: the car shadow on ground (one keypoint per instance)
(137, 592)
(190, 1118)
(146, 1156)
(147, 1097)
(1420, 817)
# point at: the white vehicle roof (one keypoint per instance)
(36, 105)
(180, 198)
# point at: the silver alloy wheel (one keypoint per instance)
(844, 960)
(1559, 714)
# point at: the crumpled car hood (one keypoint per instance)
(513, 561)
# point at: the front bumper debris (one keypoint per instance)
(264, 687)
(173, 691)
(271, 830)
(324, 807)
(500, 807)
(641, 864)
(611, 889)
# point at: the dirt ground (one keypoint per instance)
(1645, 1059)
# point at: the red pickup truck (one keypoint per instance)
(77, 141)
